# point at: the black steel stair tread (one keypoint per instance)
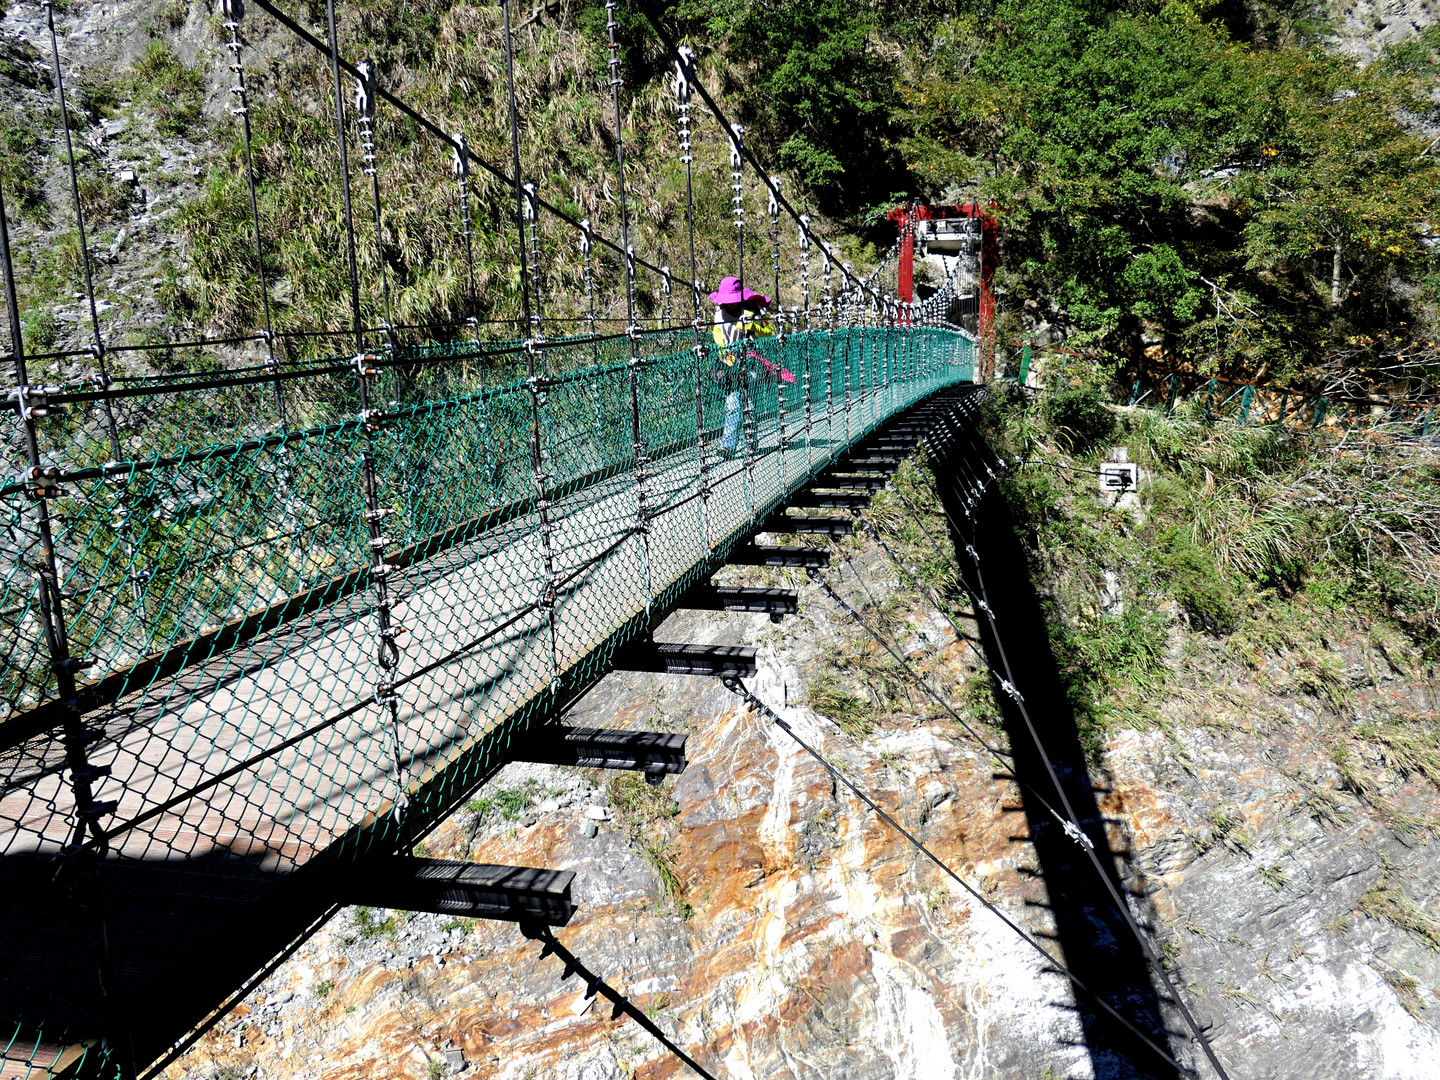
(742, 598)
(678, 658)
(850, 482)
(808, 524)
(835, 500)
(450, 887)
(766, 555)
(603, 748)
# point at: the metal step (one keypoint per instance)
(652, 752)
(881, 453)
(669, 658)
(811, 526)
(834, 500)
(884, 466)
(851, 481)
(765, 555)
(462, 889)
(742, 598)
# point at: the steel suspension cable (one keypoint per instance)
(365, 86)
(76, 866)
(363, 364)
(98, 346)
(701, 351)
(233, 11)
(642, 461)
(1070, 820)
(738, 687)
(737, 198)
(340, 139)
(460, 167)
(517, 182)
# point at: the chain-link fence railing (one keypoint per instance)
(253, 618)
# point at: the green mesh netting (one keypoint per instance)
(216, 568)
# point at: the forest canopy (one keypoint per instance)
(1213, 177)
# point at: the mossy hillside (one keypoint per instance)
(1255, 549)
(447, 61)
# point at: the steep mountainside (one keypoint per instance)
(773, 927)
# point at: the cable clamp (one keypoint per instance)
(37, 490)
(1074, 833)
(985, 607)
(385, 694)
(378, 514)
(30, 402)
(90, 773)
(1010, 689)
(379, 543)
(73, 663)
(361, 364)
(96, 810)
(83, 738)
(372, 419)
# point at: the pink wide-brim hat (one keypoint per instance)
(730, 292)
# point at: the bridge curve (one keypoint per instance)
(360, 616)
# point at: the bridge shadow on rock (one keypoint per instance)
(181, 938)
(1095, 943)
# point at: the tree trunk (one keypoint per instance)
(1335, 290)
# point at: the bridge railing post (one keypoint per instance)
(83, 847)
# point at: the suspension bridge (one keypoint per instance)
(270, 618)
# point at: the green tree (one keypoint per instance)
(1087, 129)
(1340, 186)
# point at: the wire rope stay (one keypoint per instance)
(1066, 816)
(738, 687)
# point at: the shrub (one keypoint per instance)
(166, 88)
(22, 147)
(1198, 584)
(1079, 419)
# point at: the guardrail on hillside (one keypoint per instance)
(1215, 398)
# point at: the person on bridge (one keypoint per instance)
(740, 317)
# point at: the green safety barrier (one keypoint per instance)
(307, 627)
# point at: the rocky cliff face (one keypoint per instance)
(770, 924)
(774, 927)
(1364, 28)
